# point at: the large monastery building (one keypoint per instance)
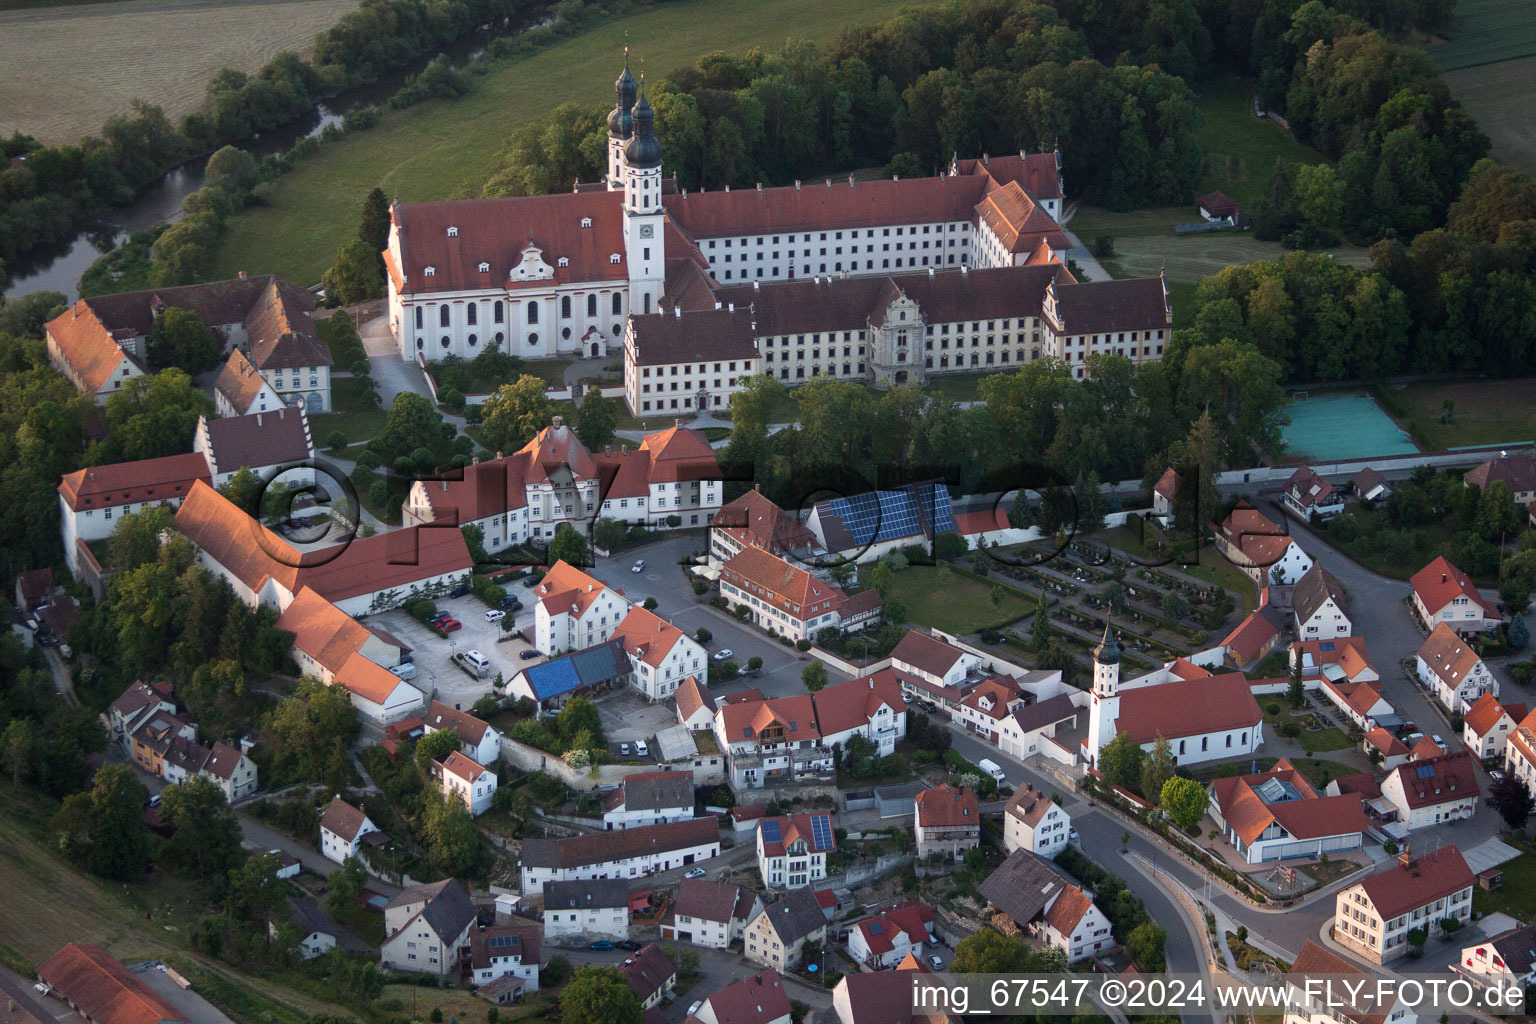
(887, 282)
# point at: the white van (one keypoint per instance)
(991, 768)
(477, 661)
(406, 671)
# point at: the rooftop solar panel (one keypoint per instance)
(770, 831)
(821, 831)
(889, 515)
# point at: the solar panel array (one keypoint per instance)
(821, 831)
(770, 831)
(888, 515)
(502, 941)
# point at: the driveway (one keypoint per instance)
(436, 674)
(392, 374)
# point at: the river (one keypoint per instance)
(160, 201)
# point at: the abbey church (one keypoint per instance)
(885, 282)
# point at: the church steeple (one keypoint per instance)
(1108, 651)
(644, 150)
(621, 124)
(1104, 705)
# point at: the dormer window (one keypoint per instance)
(485, 268)
(564, 261)
(586, 222)
(431, 271)
(614, 258)
(453, 232)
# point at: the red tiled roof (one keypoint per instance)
(1315, 960)
(944, 806)
(1039, 173)
(1103, 307)
(103, 989)
(35, 585)
(1348, 652)
(820, 206)
(602, 847)
(852, 704)
(1311, 817)
(1067, 910)
(679, 454)
(1449, 777)
(648, 971)
(926, 653)
(995, 694)
(466, 768)
(1518, 473)
(786, 587)
(1358, 697)
(1440, 582)
(1167, 484)
(746, 720)
(239, 382)
(693, 695)
(647, 636)
(127, 483)
(1029, 805)
(1189, 707)
(87, 345)
(368, 679)
(1447, 656)
(911, 919)
(469, 729)
(566, 589)
(1484, 714)
(756, 520)
(797, 827)
(1423, 880)
(1307, 488)
(758, 999)
(281, 330)
(1250, 637)
(342, 819)
(261, 439)
(1217, 204)
(969, 524)
(322, 630)
(1019, 224)
(1388, 744)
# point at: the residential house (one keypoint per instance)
(1430, 790)
(1307, 495)
(1038, 898)
(650, 974)
(1218, 208)
(1307, 1002)
(92, 501)
(624, 853)
(1392, 751)
(574, 611)
(711, 914)
(1346, 677)
(660, 655)
(1518, 473)
(752, 520)
(1163, 494)
(588, 671)
(478, 739)
(1276, 814)
(154, 738)
(274, 445)
(33, 589)
(342, 828)
(932, 670)
(778, 935)
(505, 951)
(1520, 752)
(102, 990)
(133, 708)
(336, 649)
(1452, 671)
(889, 937)
(465, 779)
(1370, 485)
(1259, 633)
(1033, 821)
(947, 822)
(1487, 726)
(695, 705)
(241, 390)
(231, 770)
(1443, 593)
(425, 926)
(759, 999)
(649, 798)
(598, 908)
(885, 997)
(792, 849)
(318, 934)
(983, 709)
(868, 526)
(1251, 540)
(1319, 607)
(1031, 729)
(1507, 960)
(1373, 916)
(781, 597)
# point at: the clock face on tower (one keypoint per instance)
(647, 230)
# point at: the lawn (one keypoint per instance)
(1517, 897)
(953, 600)
(1486, 412)
(355, 415)
(70, 68)
(1487, 32)
(446, 149)
(1241, 149)
(1313, 742)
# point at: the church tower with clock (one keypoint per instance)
(643, 215)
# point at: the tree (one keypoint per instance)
(178, 338)
(597, 419)
(1497, 512)
(435, 747)
(988, 951)
(1296, 692)
(1519, 635)
(153, 415)
(231, 170)
(608, 533)
(411, 423)
(949, 546)
(1040, 629)
(997, 595)
(373, 231)
(1184, 800)
(1416, 938)
(1157, 768)
(702, 635)
(1512, 798)
(814, 676)
(578, 715)
(1449, 926)
(569, 546)
(205, 836)
(18, 746)
(105, 827)
(448, 834)
(881, 579)
(309, 734)
(1146, 945)
(754, 664)
(516, 412)
(1120, 760)
(599, 995)
(1174, 605)
(353, 276)
(346, 887)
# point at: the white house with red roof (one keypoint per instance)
(1307, 495)
(1260, 547)
(1430, 790)
(1487, 726)
(1343, 673)
(93, 501)
(1506, 960)
(1163, 494)
(753, 520)
(1452, 671)
(759, 999)
(1443, 593)
(266, 443)
(1391, 750)
(466, 780)
(342, 828)
(781, 596)
(661, 655)
(889, 937)
(1203, 716)
(946, 821)
(1322, 988)
(478, 739)
(1373, 917)
(695, 705)
(1277, 814)
(1520, 751)
(1033, 821)
(338, 650)
(574, 611)
(792, 849)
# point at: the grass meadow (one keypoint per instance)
(1489, 59)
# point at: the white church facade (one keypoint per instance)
(880, 281)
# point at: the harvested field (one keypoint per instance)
(1486, 411)
(70, 68)
(1498, 96)
(1487, 32)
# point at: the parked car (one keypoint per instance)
(440, 616)
(601, 946)
(1073, 837)
(530, 582)
(695, 873)
(495, 615)
(1438, 741)
(450, 625)
(509, 602)
(462, 590)
(641, 749)
(722, 654)
(639, 565)
(1496, 775)
(629, 945)
(623, 749)
(695, 1007)
(529, 654)
(937, 962)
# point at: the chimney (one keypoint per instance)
(258, 419)
(242, 275)
(850, 181)
(556, 421)
(1405, 858)
(829, 183)
(759, 186)
(797, 184)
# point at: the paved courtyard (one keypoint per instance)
(436, 675)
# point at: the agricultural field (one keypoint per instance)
(1489, 59)
(447, 149)
(103, 56)
(1485, 412)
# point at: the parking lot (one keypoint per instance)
(436, 675)
(628, 717)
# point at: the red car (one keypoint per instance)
(450, 625)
